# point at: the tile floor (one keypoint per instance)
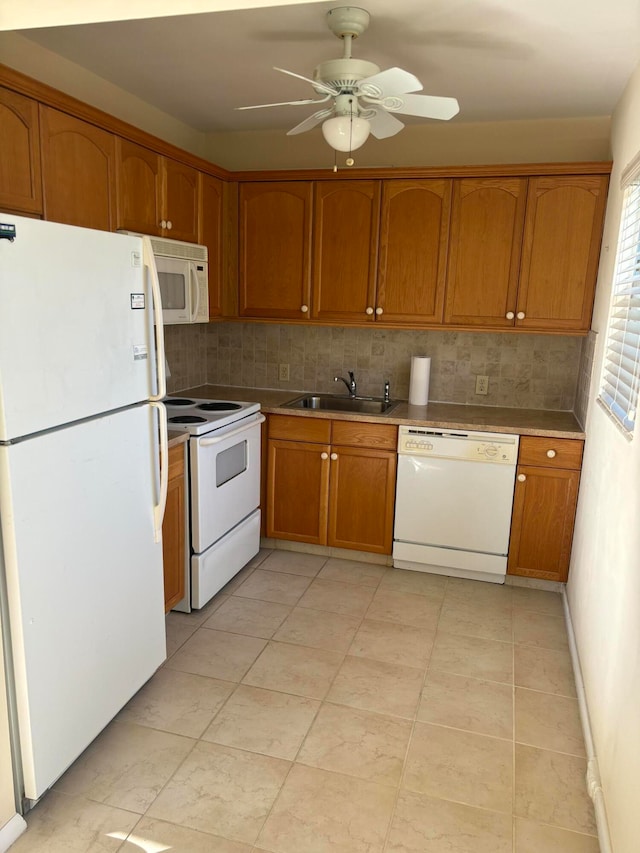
(327, 706)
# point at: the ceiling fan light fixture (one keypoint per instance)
(346, 132)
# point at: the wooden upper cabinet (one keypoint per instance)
(20, 176)
(156, 195)
(561, 249)
(139, 188)
(210, 235)
(181, 201)
(275, 249)
(485, 240)
(345, 231)
(414, 232)
(78, 171)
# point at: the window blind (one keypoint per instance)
(621, 374)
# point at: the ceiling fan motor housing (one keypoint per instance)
(348, 21)
(344, 74)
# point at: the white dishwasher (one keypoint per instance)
(454, 496)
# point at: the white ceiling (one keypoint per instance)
(502, 59)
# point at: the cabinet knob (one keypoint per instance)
(163, 223)
(324, 455)
(510, 315)
(551, 454)
(334, 456)
(169, 225)
(304, 308)
(369, 310)
(522, 478)
(378, 311)
(520, 315)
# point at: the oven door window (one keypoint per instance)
(231, 463)
(173, 289)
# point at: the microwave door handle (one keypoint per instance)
(159, 508)
(207, 442)
(193, 279)
(150, 264)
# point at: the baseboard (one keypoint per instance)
(594, 783)
(11, 831)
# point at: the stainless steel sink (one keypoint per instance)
(335, 403)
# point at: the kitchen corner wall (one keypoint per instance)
(525, 371)
(585, 370)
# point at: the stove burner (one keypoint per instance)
(179, 401)
(219, 406)
(187, 419)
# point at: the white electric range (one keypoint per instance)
(224, 490)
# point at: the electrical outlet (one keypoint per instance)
(482, 384)
(283, 373)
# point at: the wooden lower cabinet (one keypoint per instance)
(331, 482)
(544, 507)
(174, 529)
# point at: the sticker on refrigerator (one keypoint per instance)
(140, 352)
(136, 259)
(137, 301)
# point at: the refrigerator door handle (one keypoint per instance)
(195, 287)
(159, 508)
(150, 264)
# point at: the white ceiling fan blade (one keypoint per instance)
(310, 122)
(384, 125)
(427, 106)
(322, 86)
(393, 81)
(286, 103)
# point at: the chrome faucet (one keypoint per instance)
(351, 384)
(387, 392)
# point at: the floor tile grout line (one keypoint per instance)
(411, 733)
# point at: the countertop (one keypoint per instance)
(444, 415)
(176, 438)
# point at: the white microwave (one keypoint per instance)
(183, 273)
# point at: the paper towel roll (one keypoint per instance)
(419, 381)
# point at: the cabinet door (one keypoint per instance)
(562, 235)
(275, 246)
(78, 171)
(297, 491)
(174, 530)
(414, 231)
(20, 178)
(361, 499)
(484, 251)
(210, 235)
(181, 201)
(139, 188)
(544, 510)
(345, 233)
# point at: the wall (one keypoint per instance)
(525, 371)
(430, 144)
(30, 58)
(604, 584)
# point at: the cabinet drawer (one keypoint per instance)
(355, 434)
(291, 428)
(551, 452)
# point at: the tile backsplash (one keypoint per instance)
(525, 371)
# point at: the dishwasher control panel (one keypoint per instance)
(468, 445)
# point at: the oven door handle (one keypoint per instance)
(207, 442)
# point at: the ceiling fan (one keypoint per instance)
(363, 98)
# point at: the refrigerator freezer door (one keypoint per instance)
(84, 581)
(75, 336)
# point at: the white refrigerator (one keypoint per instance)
(81, 488)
